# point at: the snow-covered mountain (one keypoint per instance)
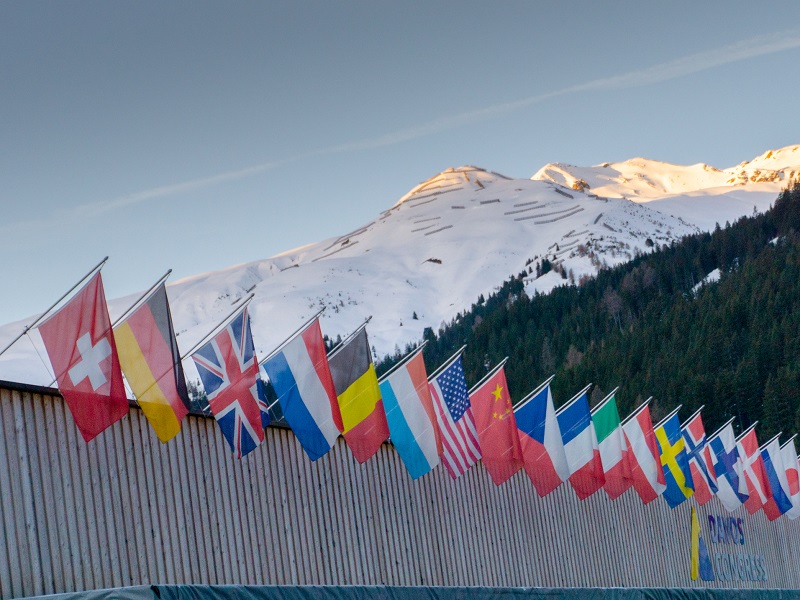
(454, 237)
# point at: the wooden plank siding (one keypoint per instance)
(128, 510)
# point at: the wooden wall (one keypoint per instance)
(127, 510)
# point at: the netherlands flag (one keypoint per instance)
(540, 439)
(580, 445)
(300, 375)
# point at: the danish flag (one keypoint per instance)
(228, 368)
(80, 344)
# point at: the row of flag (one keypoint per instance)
(429, 419)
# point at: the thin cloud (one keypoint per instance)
(681, 67)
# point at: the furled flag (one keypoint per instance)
(790, 464)
(149, 356)
(699, 455)
(228, 368)
(363, 418)
(80, 343)
(611, 443)
(411, 417)
(642, 455)
(540, 440)
(580, 445)
(302, 380)
(497, 428)
(727, 468)
(755, 477)
(460, 448)
(778, 500)
(674, 460)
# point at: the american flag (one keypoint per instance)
(459, 435)
(228, 368)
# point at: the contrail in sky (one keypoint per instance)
(681, 67)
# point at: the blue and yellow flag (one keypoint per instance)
(674, 461)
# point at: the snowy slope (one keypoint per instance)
(456, 236)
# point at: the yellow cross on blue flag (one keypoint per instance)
(674, 461)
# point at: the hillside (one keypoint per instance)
(453, 238)
(654, 327)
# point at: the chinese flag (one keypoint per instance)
(497, 428)
(80, 344)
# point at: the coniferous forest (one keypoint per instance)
(733, 346)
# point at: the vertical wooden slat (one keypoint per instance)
(135, 513)
(203, 509)
(42, 489)
(30, 534)
(125, 509)
(11, 568)
(117, 459)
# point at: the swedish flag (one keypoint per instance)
(674, 460)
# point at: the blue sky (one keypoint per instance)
(198, 135)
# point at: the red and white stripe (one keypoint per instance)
(460, 448)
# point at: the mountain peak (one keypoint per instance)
(452, 179)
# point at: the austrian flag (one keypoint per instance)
(80, 343)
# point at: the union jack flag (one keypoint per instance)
(228, 368)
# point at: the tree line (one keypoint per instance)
(733, 345)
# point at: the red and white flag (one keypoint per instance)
(80, 344)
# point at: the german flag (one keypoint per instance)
(148, 354)
(356, 384)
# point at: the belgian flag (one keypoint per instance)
(356, 384)
(150, 360)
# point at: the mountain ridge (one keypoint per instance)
(451, 238)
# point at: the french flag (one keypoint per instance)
(301, 377)
(580, 445)
(778, 500)
(540, 440)
(790, 464)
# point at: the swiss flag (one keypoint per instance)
(80, 343)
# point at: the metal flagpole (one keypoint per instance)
(636, 411)
(604, 400)
(126, 313)
(765, 444)
(746, 431)
(488, 376)
(141, 298)
(693, 416)
(56, 303)
(217, 327)
(571, 400)
(530, 396)
(447, 363)
(718, 431)
(664, 420)
(291, 337)
(341, 344)
(403, 361)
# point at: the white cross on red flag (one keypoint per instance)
(80, 343)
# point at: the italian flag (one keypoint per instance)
(611, 443)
